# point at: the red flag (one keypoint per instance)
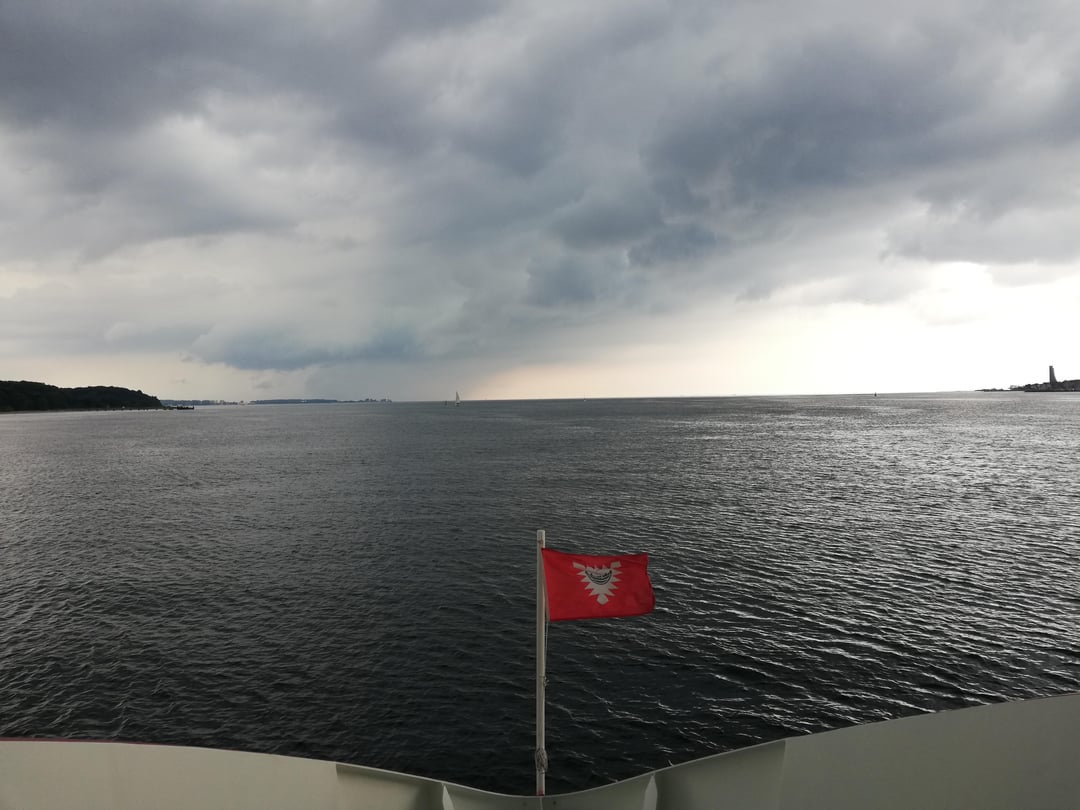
(586, 586)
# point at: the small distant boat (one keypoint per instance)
(457, 399)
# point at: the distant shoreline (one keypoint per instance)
(23, 396)
(1056, 387)
(315, 401)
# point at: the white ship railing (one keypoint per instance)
(1023, 755)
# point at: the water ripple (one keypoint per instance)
(356, 582)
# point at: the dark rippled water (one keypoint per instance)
(356, 582)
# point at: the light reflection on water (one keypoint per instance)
(356, 582)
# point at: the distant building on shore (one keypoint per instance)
(1053, 385)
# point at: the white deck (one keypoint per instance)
(1017, 756)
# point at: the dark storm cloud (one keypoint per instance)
(829, 111)
(608, 222)
(674, 191)
(269, 351)
(568, 282)
(273, 349)
(114, 63)
(389, 19)
(101, 64)
(675, 243)
(465, 171)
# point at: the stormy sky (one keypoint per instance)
(240, 200)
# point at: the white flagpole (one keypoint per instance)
(541, 664)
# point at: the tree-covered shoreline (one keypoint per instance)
(35, 396)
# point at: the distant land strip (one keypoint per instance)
(1057, 385)
(313, 401)
(36, 396)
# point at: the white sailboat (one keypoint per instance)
(457, 399)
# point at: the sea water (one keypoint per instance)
(357, 582)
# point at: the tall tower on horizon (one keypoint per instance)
(1053, 379)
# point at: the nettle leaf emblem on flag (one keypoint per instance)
(601, 581)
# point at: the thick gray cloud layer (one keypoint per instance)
(334, 184)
